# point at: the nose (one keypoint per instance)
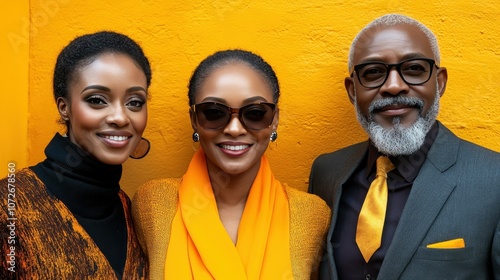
(234, 127)
(394, 84)
(118, 116)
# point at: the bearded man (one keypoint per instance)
(414, 201)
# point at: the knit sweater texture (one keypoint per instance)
(69, 220)
(155, 204)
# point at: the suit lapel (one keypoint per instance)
(430, 190)
(352, 161)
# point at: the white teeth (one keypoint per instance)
(235, 148)
(115, 138)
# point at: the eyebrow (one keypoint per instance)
(245, 101)
(106, 89)
(405, 57)
(98, 87)
(254, 99)
(137, 88)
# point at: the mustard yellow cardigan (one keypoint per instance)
(155, 204)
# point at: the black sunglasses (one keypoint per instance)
(216, 116)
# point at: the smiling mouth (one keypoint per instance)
(114, 137)
(396, 107)
(395, 103)
(234, 148)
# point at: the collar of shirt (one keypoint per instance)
(407, 166)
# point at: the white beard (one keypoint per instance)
(399, 140)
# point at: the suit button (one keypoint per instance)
(368, 277)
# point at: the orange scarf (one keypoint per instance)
(200, 247)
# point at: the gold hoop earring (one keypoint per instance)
(141, 150)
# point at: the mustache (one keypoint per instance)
(396, 100)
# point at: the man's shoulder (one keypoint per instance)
(476, 148)
(343, 153)
(467, 158)
(478, 155)
(472, 150)
(331, 169)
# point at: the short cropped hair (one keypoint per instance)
(226, 57)
(84, 49)
(390, 20)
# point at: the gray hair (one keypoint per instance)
(391, 20)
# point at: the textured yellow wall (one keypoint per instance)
(14, 47)
(305, 41)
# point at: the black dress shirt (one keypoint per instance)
(348, 259)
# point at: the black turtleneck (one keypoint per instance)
(89, 188)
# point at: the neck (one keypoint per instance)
(232, 189)
(88, 187)
(231, 194)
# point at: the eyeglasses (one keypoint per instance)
(216, 116)
(415, 71)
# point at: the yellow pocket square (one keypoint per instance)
(448, 244)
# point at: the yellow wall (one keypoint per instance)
(14, 50)
(305, 41)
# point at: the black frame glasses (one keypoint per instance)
(414, 71)
(216, 116)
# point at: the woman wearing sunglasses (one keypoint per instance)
(228, 217)
(66, 217)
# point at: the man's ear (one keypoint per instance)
(192, 116)
(63, 108)
(349, 87)
(442, 79)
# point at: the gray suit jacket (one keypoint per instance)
(455, 195)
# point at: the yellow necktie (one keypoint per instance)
(372, 214)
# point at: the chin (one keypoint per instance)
(113, 159)
(234, 169)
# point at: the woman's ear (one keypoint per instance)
(276, 120)
(63, 108)
(192, 116)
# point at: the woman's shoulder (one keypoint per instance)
(21, 187)
(159, 188)
(23, 181)
(25, 173)
(156, 195)
(153, 208)
(307, 211)
(309, 223)
(311, 204)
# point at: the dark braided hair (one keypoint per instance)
(83, 50)
(221, 58)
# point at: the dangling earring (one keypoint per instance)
(274, 136)
(196, 138)
(141, 150)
